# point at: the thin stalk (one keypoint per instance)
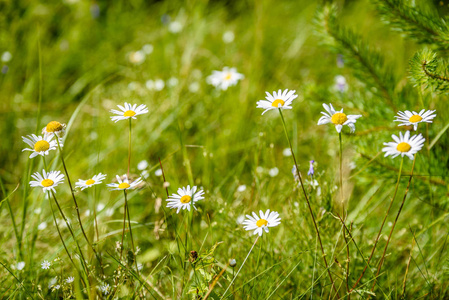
(394, 224)
(131, 233)
(123, 232)
(94, 200)
(76, 204)
(308, 205)
(344, 215)
(381, 227)
(129, 146)
(71, 232)
(224, 294)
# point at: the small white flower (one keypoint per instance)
(128, 111)
(142, 165)
(273, 172)
(280, 99)
(228, 37)
(100, 206)
(225, 78)
(413, 118)
(136, 57)
(404, 145)
(337, 118)
(96, 179)
(259, 224)
(287, 152)
(42, 226)
(54, 127)
(45, 265)
(105, 289)
(185, 198)
(70, 279)
(175, 27)
(20, 265)
(6, 56)
(56, 287)
(40, 145)
(241, 188)
(124, 184)
(48, 181)
(158, 172)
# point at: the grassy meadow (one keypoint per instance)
(72, 61)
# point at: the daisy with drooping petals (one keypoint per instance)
(40, 145)
(124, 184)
(259, 224)
(413, 118)
(54, 127)
(48, 181)
(84, 184)
(128, 111)
(338, 118)
(185, 198)
(404, 145)
(225, 78)
(280, 99)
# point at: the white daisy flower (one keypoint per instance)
(404, 145)
(259, 224)
(413, 118)
(84, 184)
(40, 145)
(54, 127)
(70, 279)
(124, 184)
(183, 199)
(280, 99)
(338, 118)
(45, 265)
(48, 181)
(128, 111)
(225, 78)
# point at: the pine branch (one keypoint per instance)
(429, 72)
(414, 23)
(368, 64)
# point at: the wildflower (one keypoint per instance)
(128, 111)
(56, 287)
(259, 224)
(337, 118)
(273, 172)
(404, 145)
(281, 99)
(69, 279)
(45, 265)
(6, 56)
(158, 172)
(225, 78)
(42, 226)
(311, 170)
(84, 184)
(124, 184)
(185, 198)
(295, 173)
(241, 188)
(105, 289)
(54, 127)
(48, 181)
(40, 145)
(414, 118)
(287, 152)
(232, 262)
(20, 265)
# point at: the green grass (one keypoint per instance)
(217, 140)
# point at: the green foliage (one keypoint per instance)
(429, 72)
(417, 23)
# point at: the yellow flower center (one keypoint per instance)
(54, 126)
(339, 118)
(41, 146)
(415, 119)
(47, 182)
(403, 147)
(123, 185)
(228, 76)
(90, 182)
(261, 222)
(129, 113)
(277, 102)
(186, 199)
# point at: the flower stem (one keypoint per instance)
(381, 227)
(129, 147)
(76, 204)
(123, 232)
(131, 233)
(308, 205)
(224, 294)
(394, 224)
